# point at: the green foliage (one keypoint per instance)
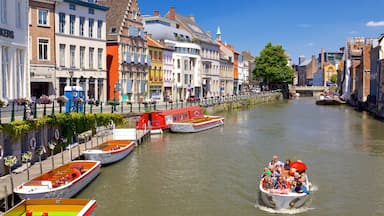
(69, 123)
(334, 78)
(272, 65)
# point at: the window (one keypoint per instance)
(72, 6)
(81, 26)
(91, 50)
(99, 28)
(91, 1)
(5, 69)
(100, 58)
(62, 55)
(113, 30)
(134, 15)
(61, 22)
(72, 24)
(91, 11)
(18, 14)
(82, 56)
(72, 50)
(90, 28)
(42, 17)
(3, 11)
(43, 49)
(19, 72)
(178, 77)
(178, 63)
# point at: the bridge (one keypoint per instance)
(307, 90)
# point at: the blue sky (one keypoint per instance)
(303, 27)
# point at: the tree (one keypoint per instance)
(272, 65)
(334, 78)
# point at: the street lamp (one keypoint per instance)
(116, 89)
(70, 83)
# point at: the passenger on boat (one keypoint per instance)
(286, 165)
(281, 183)
(267, 172)
(267, 182)
(275, 161)
(301, 188)
(277, 172)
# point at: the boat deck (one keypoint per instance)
(61, 175)
(55, 207)
(202, 119)
(113, 145)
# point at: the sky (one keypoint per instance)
(302, 27)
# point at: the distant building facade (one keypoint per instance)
(80, 41)
(15, 78)
(127, 51)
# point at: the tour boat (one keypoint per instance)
(329, 101)
(62, 182)
(159, 121)
(67, 207)
(285, 198)
(110, 151)
(196, 125)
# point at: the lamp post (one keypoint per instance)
(70, 83)
(116, 89)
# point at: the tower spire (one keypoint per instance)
(218, 33)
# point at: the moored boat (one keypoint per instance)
(197, 124)
(159, 121)
(68, 207)
(285, 198)
(62, 182)
(110, 151)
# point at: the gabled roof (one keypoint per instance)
(228, 46)
(116, 15)
(192, 27)
(153, 43)
(306, 62)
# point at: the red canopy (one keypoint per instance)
(299, 166)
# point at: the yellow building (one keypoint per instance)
(156, 72)
(329, 70)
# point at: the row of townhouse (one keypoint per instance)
(201, 66)
(47, 44)
(111, 51)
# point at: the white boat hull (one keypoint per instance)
(110, 156)
(283, 201)
(67, 191)
(188, 127)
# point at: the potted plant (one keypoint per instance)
(61, 100)
(3, 103)
(44, 99)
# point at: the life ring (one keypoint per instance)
(293, 202)
(32, 143)
(75, 173)
(1, 152)
(57, 134)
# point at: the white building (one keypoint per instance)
(241, 74)
(81, 47)
(186, 69)
(14, 49)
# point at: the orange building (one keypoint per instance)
(127, 54)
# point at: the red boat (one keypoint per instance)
(161, 120)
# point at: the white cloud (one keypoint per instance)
(310, 44)
(375, 24)
(353, 32)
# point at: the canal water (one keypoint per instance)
(216, 172)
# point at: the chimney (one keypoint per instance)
(172, 13)
(209, 34)
(156, 13)
(192, 18)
